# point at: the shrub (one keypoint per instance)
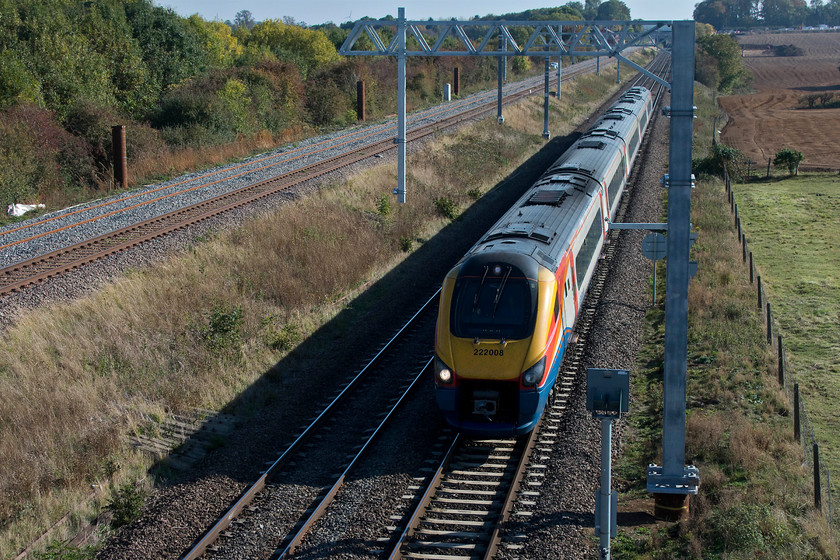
(38, 158)
(446, 207)
(223, 329)
(790, 158)
(787, 50)
(92, 123)
(125, 504)
(63, 551)
(406, 244)
(283, 339)
(721, 154)
(383, 205)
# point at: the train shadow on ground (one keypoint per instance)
(274, 407)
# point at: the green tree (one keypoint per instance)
(790, 158)
(17, 83)
(613, 10)
(244, 19)
(720, 57)
(171, 48)
(777, 13)
(727, 14)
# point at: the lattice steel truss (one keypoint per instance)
(498, 38)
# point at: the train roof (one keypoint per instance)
(544, 220)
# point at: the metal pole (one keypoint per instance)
(606, 491)
(504, 60)
(546, 133)
(598, 66)
(499, 116)
(559, 74)
(400, 140)
(654, 284)
(678, 244)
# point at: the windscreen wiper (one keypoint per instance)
(499, 291)
(478, 291)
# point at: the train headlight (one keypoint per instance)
(443, 374)
(534, 374)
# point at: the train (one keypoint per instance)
(509, 306)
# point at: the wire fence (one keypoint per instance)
(824, 498)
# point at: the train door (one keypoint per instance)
(568, 289)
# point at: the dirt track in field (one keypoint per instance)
(762, 123)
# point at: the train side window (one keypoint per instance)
(586, 254)
(614, 185)
(557, 308)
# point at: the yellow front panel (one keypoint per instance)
(489, 359)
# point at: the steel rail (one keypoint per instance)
(248, 496)
(426, 499)
(513, 491)
(328, 498)
(560, 394)
(483, 98)
(505, 502)
(27, 273)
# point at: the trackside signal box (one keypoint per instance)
(607, 390)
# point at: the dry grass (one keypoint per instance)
(755, 497)
(199, 329)
(147, 167)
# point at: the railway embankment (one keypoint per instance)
(222, 324)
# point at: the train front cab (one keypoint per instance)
(497, 358)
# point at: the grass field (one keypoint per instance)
(792, 227)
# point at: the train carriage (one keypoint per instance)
(508, 308)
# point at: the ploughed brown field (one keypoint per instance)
(763, 123)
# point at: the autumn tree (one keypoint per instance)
(222, 47)
(310, 49)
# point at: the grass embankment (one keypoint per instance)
(206, 325)
(756, 496)
(792, 225)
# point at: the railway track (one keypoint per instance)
(460, 510)
(26, 273)
(478, 484)
(383, 385)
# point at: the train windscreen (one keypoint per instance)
(499, 302)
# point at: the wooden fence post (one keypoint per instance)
(769, 325)
(781, 362)
(752, 268)
(119, 154)
(797, 426)
(360, 100)
(817, 484)
(758, 282)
